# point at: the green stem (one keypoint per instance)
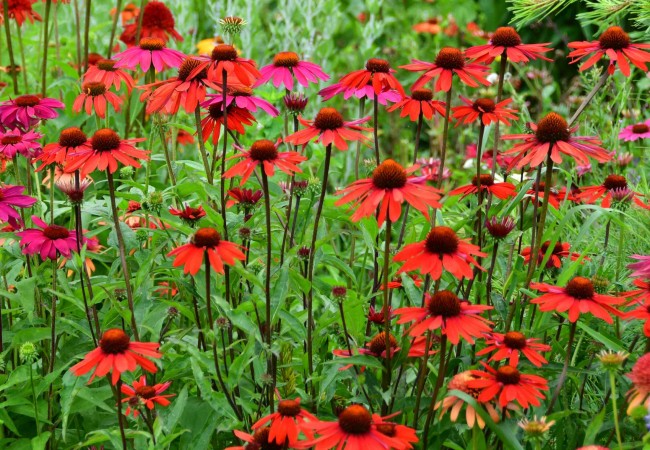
(120, 417)
(497, 134)
(267, 281)
(31, 380)
(612, 382)
(22, 56)
(118, 11)
(445, 132)
(10, 49)
(436, 390)
(46, 41)
(86, 31)
(204, 154)
(565, 368)
(385, 381)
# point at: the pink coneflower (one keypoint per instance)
(329, 128)
(49, 241)
(17, 141)
(71, 140)
(285, 66)
(366, 91)
(506, 41)
(485, 110)
(27, 110)
(243, 98)
(12, 197)
(67, 183)
(641, 268)
(377, 73)
(94, 95)
(151, 51)
(107, 72)
(636, 131)
(420, 102)
(449, 62)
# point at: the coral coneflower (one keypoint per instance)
(640, 377)
(212, 123)
(329, 128)
(141, 394)
(641, 298)
(47, 240)
(265, 153)
(612, 185)
(224, 58)
(617, 46)
(19, 10)
(151, 51)
(485, 183)
(258, 441)
(364, 92)
(442, 249)
(285, 66)
(355, 429)
(378, 73)
(286, 422)
(188, 214)
(243, 98)
(454, 317)
(157, 22)
(26, 111)
(559, 250)
(460, 382)
(419, 102)
(537, 192)
(389, 186)
(506, 42)
(12, 197)
(206, 241)
(641, 295)
(71, 140)
(117, 353)
(107, 71)
(18, 141)
(106, 150)
(406, 435)
(552, 134)
(449, 62)
(94, 95)
(635, 132)
(577, 297)
(511, 345)
(484, 109)
(509, 385)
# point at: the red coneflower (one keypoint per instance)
(212, 123)
(25, 111)
(355, 429)
(486, 183)
(188, 214)
(265, 153)
(377, 317)
(107, 72)
(143, 395)
(460, 382)
(613, 185)
(286, 423)
(396, 282)
(157, 22)
(402, 433)
(616, 45)
(258, 441)
(71, 140)
(510, 385)
(641, 298)
(365, 92)
(577, 297)
(444, 310)
(500, 228)
(559, 250)
(442, 249)
(640, 377)
(377, 347)
(151, 51)
(552, 134)
(510, 345)
(243, 98)
(329, 128)
(484, 109)
(449, 61)
(105, 152)
(389, 186)
(248, 198)
(94, 95)
(12, 197)
(537, 192)
(21, 10)
(641, 295)
(206, 241)
(117, 353)
(420, 102)
(47, 240)
(224, 58)
(285, 66)
(378, 73)
(506, 41)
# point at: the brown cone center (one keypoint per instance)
(114, 341)
(580, 288)
(94, 88)
(450, 58)
(508, 375)
(389, 175)
(445, 304)
(188, 66)
(505, 37)
(55, 232)
(615, 182)
(224, 52)
(514, 340)
(261, 441)
(152, 44)
(377, 344)
(614, 38)
(378, 65)
(27, 100)
(328, 119)
(206, 237)
(422, 95)
(355, 419)
(72, 137)
(552, 128)
(145, 392)
(105, 140)
(11, 140)
(263, 150)
(484, 180)
(442, 241)
(106, 64)
(290, 408)
(640, 128)
(484, 105)
(286, 59)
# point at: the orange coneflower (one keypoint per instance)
(509, 384)
(510, 345)
(286, 423)
(95, 95)
(329, 128)
(142, 394)
(449, 62)
(641, 295)
(265, 153)
(506, 41)
(377, 346)
(117, 353)
(641, 299)
(485, 110)
(257, 441)
(454, 317)
(552, 134)
(406, 435)
(420, 102)
(206, 241)
(485, 183)
(577, 297)
(442, 249)
(389, 186)
(460, 382)
(106, 71)
(616, 45)
(224, 58)
(71, 140)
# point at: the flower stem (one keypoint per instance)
(46, 24)
(118, 11)
(86, 30)
(10, 49)
(495, 248)
(375, 125)
(436, 390)
(23, 68)
(418, 132)
(204, 155)
(385, 381)
(362, 105)
(31, 381)
(122, 251)
(565, 368)
(445, 132)
(612, 383)
(138, 30)
(599, 84)
(536, 245)
(497, 133)
(53, 342)
(267, 283)
(422, 376)
(120, 417)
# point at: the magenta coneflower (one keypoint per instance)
(243, 98)
(49, 241)
(640, 268)
(506, 41)
(151, 51)
(27, 110)
(12, 197)
(635, 132)
(285, 66)
(18, 141)
(94, 95)
(71, 140)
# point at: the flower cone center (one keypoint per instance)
(206, 237)
(442, 241)
(27, 100)
(152, 44)
(290, 408)
(328, 119)
(640, 128)
(445, 304)
(615, 182)
(387, 429)
(377, 344)
(580, 288)
(106, 64)
(114, 341)
(224, 52)
(11, 140)
(94, 88)
(261, 439)
(515, 340)
(215, 111)
(355, 419)
(422, 95)
(286, 59)
(72, 137)
(614, 38)
(378, 65)
(552, 128)
(508, 375)
(105, 140)
(188, 66)
(484, 105)
(450, 58)
(145, 392)
(484, 180)
(389, 175)
(263, 150)
(505, 37)
(54, 232)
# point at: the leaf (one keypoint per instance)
(40, 441)
(594, 427)
(130, 239)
